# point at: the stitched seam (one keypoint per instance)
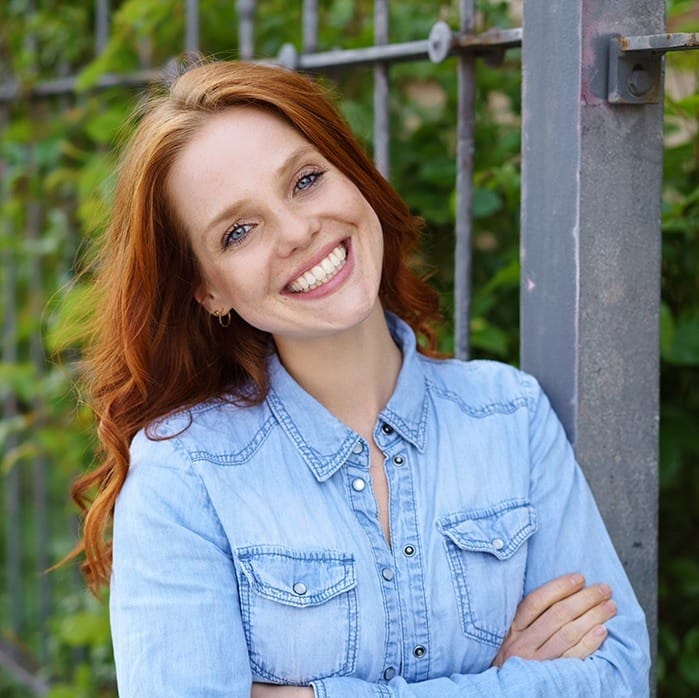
(209, 505)
(485, 410)
(324, 467)
(240, 457)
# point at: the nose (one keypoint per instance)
(295, 230)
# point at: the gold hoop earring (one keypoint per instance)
(223, 320)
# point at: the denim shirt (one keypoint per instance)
(247, 545)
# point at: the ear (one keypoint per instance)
(205, 298)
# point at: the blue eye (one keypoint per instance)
(307, 180)
(236, 234)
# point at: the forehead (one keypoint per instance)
(232, 153)
(245, 129)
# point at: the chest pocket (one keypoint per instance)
(299, 611)
(487, 555)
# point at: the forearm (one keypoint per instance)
(517, 678)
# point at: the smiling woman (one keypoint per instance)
(305, 500)
(297, 251)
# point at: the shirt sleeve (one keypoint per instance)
(176, 624)
(571, 537)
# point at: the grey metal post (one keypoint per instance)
(382, 154)
(466, 72)
(101, 25)
(246, 28)
(591, 196)
(9, 410)
(191, 32)
(309, 19)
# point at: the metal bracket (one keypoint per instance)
(636, 65)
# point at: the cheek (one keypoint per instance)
(243, 280)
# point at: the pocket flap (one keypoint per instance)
(297, 578)
(498, 530)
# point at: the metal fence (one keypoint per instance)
(592, 140)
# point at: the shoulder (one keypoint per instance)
(480, 386)
(214, 426)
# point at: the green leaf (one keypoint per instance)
(485, 202)
(683, 350)
(84, 628)
(488, 337)
(667, 330)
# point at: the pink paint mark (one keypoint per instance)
(530, 285)
(591, 27)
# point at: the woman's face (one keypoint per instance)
(281, 235)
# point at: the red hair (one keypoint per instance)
(154, 349)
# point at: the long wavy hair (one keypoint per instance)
(154, 349)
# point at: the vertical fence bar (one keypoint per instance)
(246, 28)
(382, 157)
(101, 25)
(591, 196)
(310, 26)
(10, 412)
(466, 72)
(36, 356)
(191, 41)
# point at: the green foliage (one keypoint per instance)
(56, 174)
(678, 666)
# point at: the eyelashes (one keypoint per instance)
(239, 232)
(307, 180)
(236, 234)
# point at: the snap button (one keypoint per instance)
(389, 673)
(357, 448)
(387, 429)
(408, 551)
(387, 573)
(300, 588)
(498, 543)
(419, 651)
(399, 460)
(358, 484)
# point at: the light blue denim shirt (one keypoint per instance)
(247, 546)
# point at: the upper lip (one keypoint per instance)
(316, 259)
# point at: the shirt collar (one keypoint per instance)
(322, 440)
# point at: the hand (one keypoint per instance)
(268, 690)
(562, 618)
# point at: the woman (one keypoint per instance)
(313, 505)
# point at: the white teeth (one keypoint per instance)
(321, 273)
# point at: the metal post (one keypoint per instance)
(310, 26)
(40, 504)
(591, 197)
(191, 41)
(11, 481)
(382, 156)
(246, 28)
(466, 72)
(101, 25)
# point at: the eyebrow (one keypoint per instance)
(288, 164)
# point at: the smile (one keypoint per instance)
(321, 273)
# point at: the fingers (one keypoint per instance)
(583, 635)
(541, 599)
(559, 619)
(588, 644)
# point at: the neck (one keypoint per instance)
(352, 373)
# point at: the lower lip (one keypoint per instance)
(330, 286)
